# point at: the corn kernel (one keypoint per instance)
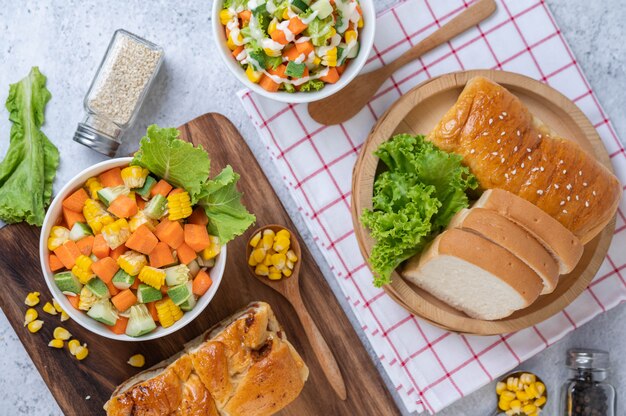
(73, 346)
(213, 250)
(58, 236)
(61, 333)
(521, 395)
(56, 343)
(507, 396)
(137, 360)
(528, 378)
(64, 316)
(540, 387)
(261, 270)
(267, 239)
(279, 260)
(289, 265)
(529, 408)
(350, 35)
(32, 299)
(316, 61)
(272, 26)
(540, 401)
(516, 404)
(48, 308)
(57, 305)
(531, 390)
(283, 234)
(258, 254)
(511, 412)
(230, 44)
(225, 16)
(275, 276)
(251, 260)
(35, 325)
(254, 241)
(82, 269)
(504, 405)
(268, 259)
(253, 75)
(291, 256)
(281, 243)
(500, 387)
(360, 23)
(179, 206)
(286, 14)
(287, 272)
(512, 383)
(81, 352)
(93, 185)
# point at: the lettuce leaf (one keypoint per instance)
(221, 201)
(320, 30)
(312, 85)
(176, 161)
(413, 200)
(29, 167)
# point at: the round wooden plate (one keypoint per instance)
(417, 112)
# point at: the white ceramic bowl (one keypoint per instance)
(52, 218)
(366, 39)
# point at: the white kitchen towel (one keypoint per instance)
(430, 367)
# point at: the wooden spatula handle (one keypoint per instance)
(474, 14)
(320, 348)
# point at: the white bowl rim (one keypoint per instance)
(81, 317)
(354, 69)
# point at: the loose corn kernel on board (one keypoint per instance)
(70, 380)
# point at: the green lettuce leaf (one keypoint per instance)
(228, 217)
(319, 30)
(29, 167)
(312, 85)
(413, 200)
(176, 161)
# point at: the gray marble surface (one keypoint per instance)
(67, 39)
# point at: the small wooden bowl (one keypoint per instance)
(417, 112)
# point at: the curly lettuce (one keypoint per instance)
(413, 201)
(320, 30)
(312, 85)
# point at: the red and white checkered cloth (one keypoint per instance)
(430, 367)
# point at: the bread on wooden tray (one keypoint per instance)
(474, 275)
(506, 147)
(505, 233)
(242, 366)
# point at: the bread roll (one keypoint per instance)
(506, 147)
(243, 366)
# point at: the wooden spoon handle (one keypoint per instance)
(320, 348)
(465, 20)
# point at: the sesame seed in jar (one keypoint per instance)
(534, 169)
(539, 135)
(569, 198)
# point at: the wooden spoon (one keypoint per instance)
(346, 103)
(289, 287)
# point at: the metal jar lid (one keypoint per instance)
(97, 140)
(587, 359)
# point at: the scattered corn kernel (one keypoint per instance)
(137, 360)
(61, 333)
(272, 26)
(48, 308)
(32, 299)
(35, 325)
(275, 276)
(360, 23)
(64, 316)
(81, 352)
(73, 346)
(268, 259)
(57, 305)
(56, 343)
(30, 315)
(272, 252)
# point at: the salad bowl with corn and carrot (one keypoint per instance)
(136, 248)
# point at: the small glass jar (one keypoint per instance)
(586, 392)
(118, 90)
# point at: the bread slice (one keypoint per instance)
(474, 275)
(564, 246)
(502, 231)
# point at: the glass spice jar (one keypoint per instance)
(586, 392)
(122, 81)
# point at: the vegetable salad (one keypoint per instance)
(292, 45)
(135, 245)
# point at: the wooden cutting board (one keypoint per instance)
(71, 381)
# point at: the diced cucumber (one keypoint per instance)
(144, 191)
(68, 282)
(147, 294)
(140, 321)
(194, 268)
(79, 231)
(300, 5)
(108, 195)
(323, 8)
(354, 51)
(180, 293)
(176, 275)
(98, 288)
(189, 304)
(155, 208)
(205, 263)
(102, 311)
(123, 280)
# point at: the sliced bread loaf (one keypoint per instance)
(560, 242)
(504, 232)
(474, 275)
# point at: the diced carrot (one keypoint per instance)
(111, 178)
(120, 326)
(135, 284)
(112, 289)
(245, 15)
(185, 254)
(197, 237)
(171, 233)
(305, 47)
(85, 245)
(342, 68)
(72, 217)
(118, 251)
(296, 26)
(292, 54)
(332, 76)
(73, 300)
(124, 300)
(358, 9)
(105, 269)
(161, 255)
(268, 84)
(279, 71)
(198, 216)
(55, 263)
(142, 240)
(201, 283)
(164, 289)
(153, 311)
(76, 201)
(100, 247)
(279, 36)
(237, 51)
(141, 204)
(123, 207)
(162, 187)
(68, 253)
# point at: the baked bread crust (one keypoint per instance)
(506, 147)
(243, 366)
